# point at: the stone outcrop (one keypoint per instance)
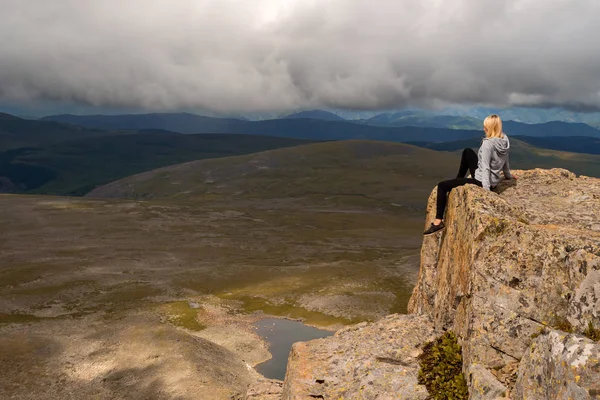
(516, 275)
(560, 366)
(265, 389)
(362, 361)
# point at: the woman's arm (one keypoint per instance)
(506, 169)
(486, 159)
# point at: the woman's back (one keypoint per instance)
(492, 160)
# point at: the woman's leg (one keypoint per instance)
(444, 188)
(468, 162)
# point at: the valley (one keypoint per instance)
(151, 286)
(98, 294)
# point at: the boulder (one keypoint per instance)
(365, 361)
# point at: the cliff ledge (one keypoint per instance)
(516, 275)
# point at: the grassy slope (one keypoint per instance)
(77, 166)
(361, 172)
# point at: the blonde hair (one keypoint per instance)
(492, 126)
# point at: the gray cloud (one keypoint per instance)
(241, 55)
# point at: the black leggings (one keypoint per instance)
(468, 162)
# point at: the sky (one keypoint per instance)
(262, 55)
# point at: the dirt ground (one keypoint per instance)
(129, 299)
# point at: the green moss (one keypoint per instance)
(496, 226)
(290, 310)
(563, 324)
(181, 314)
(441, 369)
(542, 331)
(591, 332)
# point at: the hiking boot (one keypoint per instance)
(434, 228)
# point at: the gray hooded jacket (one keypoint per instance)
(493, 158)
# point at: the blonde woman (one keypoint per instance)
(484, 167)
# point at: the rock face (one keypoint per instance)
(509, 268)
(560, 366)
(363, 361)
(265, 389)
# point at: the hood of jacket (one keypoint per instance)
(501, 145)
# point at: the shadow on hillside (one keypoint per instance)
(505, 184)
(137, 383)
(37, 370)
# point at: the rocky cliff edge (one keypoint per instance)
(516, 275)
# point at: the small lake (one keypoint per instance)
(280, 334)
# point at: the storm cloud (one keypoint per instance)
(254, 55)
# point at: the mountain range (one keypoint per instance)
(321, 125)
(51, 157)
(315, 114)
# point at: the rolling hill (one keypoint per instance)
(358, 172)
(17, 132)
(368, 172)
(75, 167)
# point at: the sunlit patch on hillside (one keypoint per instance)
(181, 314)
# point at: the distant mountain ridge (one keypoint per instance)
(316, 114)
(301, 128)
(322, 125)
(175, 122)
(424, 120)
(551, 128)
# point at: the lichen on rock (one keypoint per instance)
(560, 366)
(365, 361)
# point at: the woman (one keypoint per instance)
(484, 167)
